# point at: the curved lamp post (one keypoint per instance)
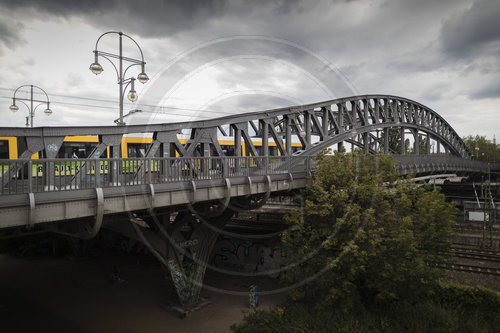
(97, 69)
(31, 107)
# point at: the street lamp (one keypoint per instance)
(97, 69)
(31, 107)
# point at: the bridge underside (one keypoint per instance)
(178, 222)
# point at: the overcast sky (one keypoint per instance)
(210, 58)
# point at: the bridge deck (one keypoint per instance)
(48, 190)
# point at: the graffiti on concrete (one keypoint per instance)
(249, 256)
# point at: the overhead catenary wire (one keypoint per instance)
(162, 107)
(114, 101)
(116, 109)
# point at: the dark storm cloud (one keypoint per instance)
(155, 18)
(10, 33)
(472, 31)
(152, 18)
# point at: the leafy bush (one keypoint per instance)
(364, 248)
(365, 234)
(461, 309)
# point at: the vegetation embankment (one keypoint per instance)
(367, 247)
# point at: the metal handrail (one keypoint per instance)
(42, 175)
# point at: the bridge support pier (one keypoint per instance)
(183, 247)
(189, 248)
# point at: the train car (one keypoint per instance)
(75, 149)
(8, 147)
(131, 147)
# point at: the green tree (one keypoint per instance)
(395, 141)
(488, 151)
(365, 235)
(422, 146)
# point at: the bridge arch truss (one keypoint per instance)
(371, 122)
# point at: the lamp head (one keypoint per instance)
(96, 68)
(48, 111)
(132, 95)
(14, 108)
(143, 77)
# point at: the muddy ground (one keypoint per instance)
(47, 294)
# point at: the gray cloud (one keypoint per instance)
(245, 103)
(148, 18)
(10, 33)
(437, 52)
(154, 18)
(486, 90)
(472, 31)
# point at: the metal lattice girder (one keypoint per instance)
(316, 126)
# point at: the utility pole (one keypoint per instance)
(489, 212)
(494, 149)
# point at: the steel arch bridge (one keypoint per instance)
(372, 123)
(357, 120)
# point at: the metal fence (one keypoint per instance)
(26, 176)
(42, 175)
(434, 163)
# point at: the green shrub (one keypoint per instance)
(450, 308)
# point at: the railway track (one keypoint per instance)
(468, 229)
(472, 269)
(475, 250)
(489, 255)
(476, 254)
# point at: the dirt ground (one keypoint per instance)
(44, 294)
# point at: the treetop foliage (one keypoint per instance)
(488, 151)
(365, 234)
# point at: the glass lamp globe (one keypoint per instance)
(132, 96)
(96, 68)
(14, 108)
(142, 77)
(48, 111)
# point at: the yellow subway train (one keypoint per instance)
(131, 147)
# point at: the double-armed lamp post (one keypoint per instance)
(31, 107)
(123, 82)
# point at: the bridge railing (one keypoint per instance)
(26, 176)
(408, 164)
(43, 175)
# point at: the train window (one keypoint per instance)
(228, 150)
(137, 149)
(104, 154)
(76, 149)
(4, 149)
(273, 151)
